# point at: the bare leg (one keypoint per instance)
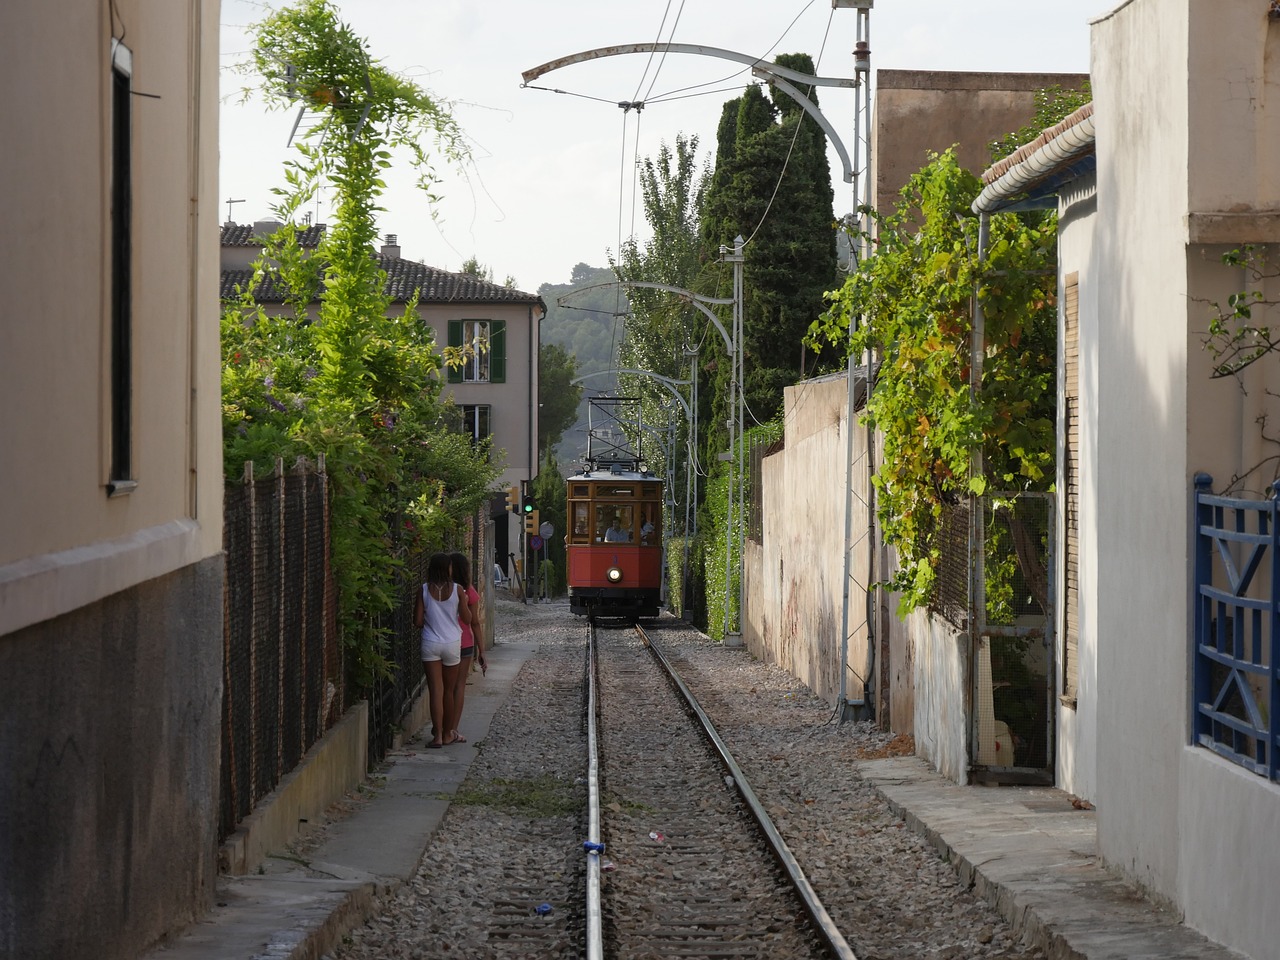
(435, 697)
(459, 694)
(449, 679)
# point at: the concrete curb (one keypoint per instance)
(1032, 855)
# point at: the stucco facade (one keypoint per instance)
(110, 558)
(793, 577)
(1185, 172)
(923, 111)
(1186, 169)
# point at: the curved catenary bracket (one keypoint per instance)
(665, 381)
(694, 299)
(599, 53)
(761, 69)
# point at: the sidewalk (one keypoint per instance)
(1025, 849)
(300, 910)
(1033, 856)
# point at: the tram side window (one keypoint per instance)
(582, 523)
(613, 523)
(650, 523)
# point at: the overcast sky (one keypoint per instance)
(551, 184)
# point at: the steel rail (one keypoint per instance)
(595, 935)
(824, 926)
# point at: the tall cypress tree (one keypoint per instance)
(772, 185)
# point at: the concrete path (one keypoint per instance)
(300, 911)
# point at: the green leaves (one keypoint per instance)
(910, 303)
(1234, 338)
(359, 382)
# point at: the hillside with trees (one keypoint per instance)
(589, 329)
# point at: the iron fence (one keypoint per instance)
(284, 682)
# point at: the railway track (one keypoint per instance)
(691, 865)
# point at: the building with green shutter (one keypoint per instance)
(496, 391)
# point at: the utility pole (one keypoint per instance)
(848, 709)
(733, 638)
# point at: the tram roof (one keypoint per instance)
(613, 473)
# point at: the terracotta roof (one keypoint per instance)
(241, 235)
(998, 170)
(404, 277)
(1033, 175)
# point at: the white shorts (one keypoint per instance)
(449, 654)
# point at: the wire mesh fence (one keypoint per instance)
(950, 598)
(282, 674)
(284, 682)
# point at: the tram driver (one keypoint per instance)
(615, 533)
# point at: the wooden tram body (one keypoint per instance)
(615, 543)
(615, 511)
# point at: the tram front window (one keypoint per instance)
(613, 524)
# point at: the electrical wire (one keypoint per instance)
(670, 37)
(795, 136)
(640, 83)
(570, 93)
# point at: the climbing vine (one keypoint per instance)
(910, 303)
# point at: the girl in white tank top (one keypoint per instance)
(436, 614)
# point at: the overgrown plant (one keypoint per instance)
(358, 382)
(1242, 335)
(911, 304)
(712, 544)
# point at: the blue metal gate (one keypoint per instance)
(1236, 642)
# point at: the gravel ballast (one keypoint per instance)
(511, 841)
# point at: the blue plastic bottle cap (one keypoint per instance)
(543, 909)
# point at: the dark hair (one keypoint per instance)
(438, 569)
(461, 569)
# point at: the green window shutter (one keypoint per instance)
(498, 351)
(455, 340)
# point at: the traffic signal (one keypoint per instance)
(530, 517)
(513, 497)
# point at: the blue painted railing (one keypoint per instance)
(1236, 644)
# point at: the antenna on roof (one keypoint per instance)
(229, 203)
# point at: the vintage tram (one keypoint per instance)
(614, 540)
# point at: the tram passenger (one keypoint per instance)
(646, 528)
(615, 533)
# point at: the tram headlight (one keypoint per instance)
(614, 575)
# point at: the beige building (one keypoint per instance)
(496, 392)
(111, 524)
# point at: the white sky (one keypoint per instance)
(552, 183)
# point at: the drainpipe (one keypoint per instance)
(977, 520)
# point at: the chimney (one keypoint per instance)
(390, 248)
(262, 229)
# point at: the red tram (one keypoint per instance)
(615, 544)
(615, 520)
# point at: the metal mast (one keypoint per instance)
(859, 249)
